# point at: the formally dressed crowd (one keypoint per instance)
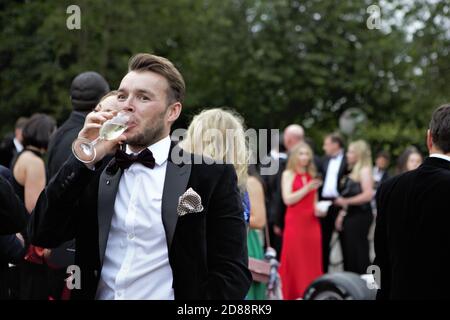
(140, 224)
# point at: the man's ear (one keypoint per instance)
(429, 140)
(174, 112)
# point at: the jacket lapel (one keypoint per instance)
(107, 190)
(175, 183)
(343, 168)
(176, 180)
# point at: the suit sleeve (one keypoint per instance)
(52, 220)
(13, 215)
(381, 247)
(228, 274)
(11, 250)
(278, 198)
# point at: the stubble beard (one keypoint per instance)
(150, 135)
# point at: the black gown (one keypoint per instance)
(355, 230)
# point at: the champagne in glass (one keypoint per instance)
(111, 131)
(84, 150)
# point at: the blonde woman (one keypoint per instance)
(301, 253)
(108, 103)
(355, 219)
(219, 135)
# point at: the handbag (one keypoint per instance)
(260, 268)
(349, 188)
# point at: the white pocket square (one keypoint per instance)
(189, 202)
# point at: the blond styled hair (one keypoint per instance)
(219, 135)
(109, 94)
(364, 156)
(293, 159)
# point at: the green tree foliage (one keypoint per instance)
(276, 62)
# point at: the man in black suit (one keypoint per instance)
(5, 173)
(411, 237)
(332, 170)
(13, 219)
(12, 143)
(86, 90)
(380, 170)
(276, 209)
(147, 225)
(13, 215)
(270, 172)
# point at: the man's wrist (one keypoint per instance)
(90, 165)
(94, 165)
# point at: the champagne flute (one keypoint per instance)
(84, 149)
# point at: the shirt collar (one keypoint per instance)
(339, 155)
(274, 154)
(440, 156)
(18, 145)
(160, 150)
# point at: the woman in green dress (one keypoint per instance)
(255, 190)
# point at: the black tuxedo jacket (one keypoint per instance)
(324, 168)
(274, 201)
(207, 251)
(412, 242)
(13, 215)
(7, 150)
(60, 145)
(60, 148)
(385, 176)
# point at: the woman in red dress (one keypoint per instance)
(301, 254)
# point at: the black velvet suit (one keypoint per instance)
(412, 242)
(60, 148)
(207, 250)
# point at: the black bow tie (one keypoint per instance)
(336, 156)
(125, 160)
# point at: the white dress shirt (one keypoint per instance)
(136, 263)
(17, 145)
(440, 156)
(377, 174)
(330, 185)
(277, 155)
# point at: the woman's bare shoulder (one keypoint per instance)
(29, 159)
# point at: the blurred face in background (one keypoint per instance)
(303, 157)
(382, 163)
(352, 156)
(292, 136)
(18, 134)
(331, 148)
(414, 161)
(109, 104)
